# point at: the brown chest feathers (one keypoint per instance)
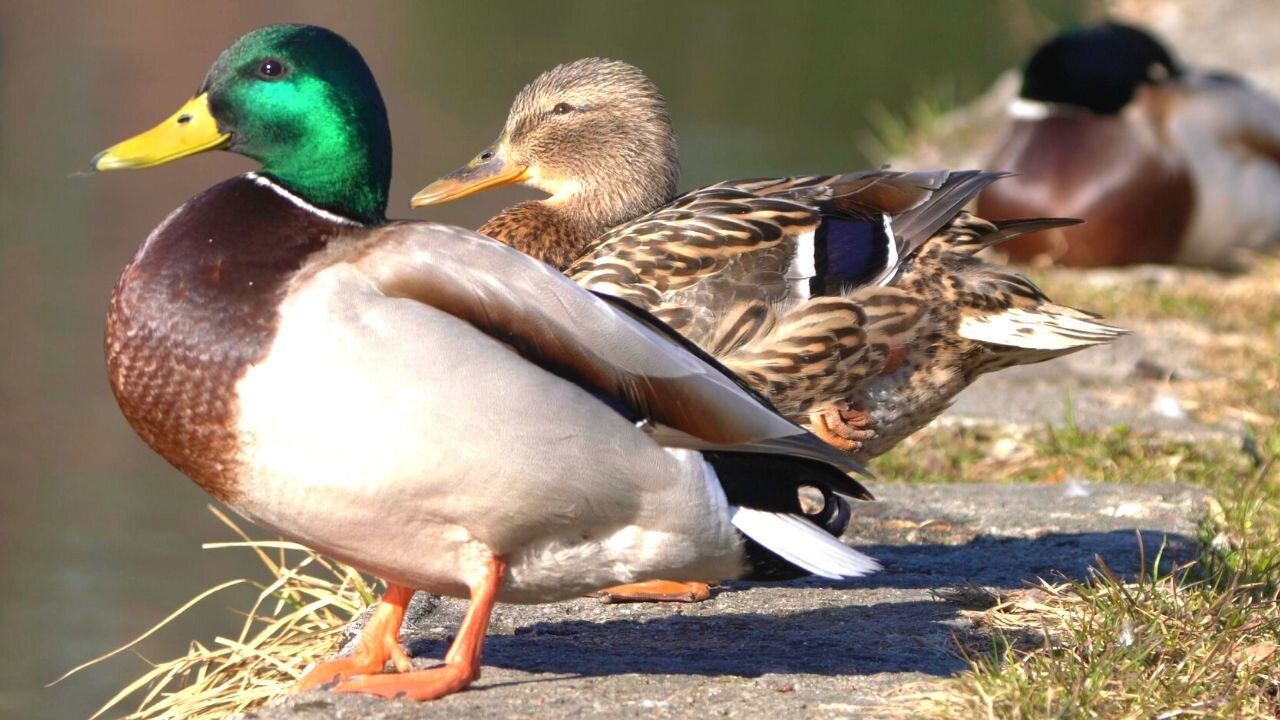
(194, 309)
(539, 231)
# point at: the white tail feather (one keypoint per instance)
(802, 543)
(1048, 327)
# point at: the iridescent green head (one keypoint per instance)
(298, 99)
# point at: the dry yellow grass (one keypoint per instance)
(296, 620)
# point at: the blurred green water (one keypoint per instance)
(98, 538)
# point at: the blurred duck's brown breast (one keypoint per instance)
(1136, 201)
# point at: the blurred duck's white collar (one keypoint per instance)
(1024, 109)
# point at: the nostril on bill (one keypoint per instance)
(184, 118)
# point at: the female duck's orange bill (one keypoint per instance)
(490, 169)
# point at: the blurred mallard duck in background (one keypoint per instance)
(1164, 163)
(852, 301)
(329, 375)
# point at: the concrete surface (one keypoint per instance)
(810, 648)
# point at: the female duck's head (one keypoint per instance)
(298, 99)
(593, 133)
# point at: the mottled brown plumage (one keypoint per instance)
(803, 286)
(961, 295)
(539, 231)
(717, 264)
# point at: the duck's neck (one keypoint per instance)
(349, 186)
(542, 231)
(558, 230)
(342, 169)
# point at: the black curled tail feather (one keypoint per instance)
(765, 564)
(782, 484)
(835, 514)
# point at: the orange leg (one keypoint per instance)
(843, 426)
(461, 663)
(379, 642)
(655, 591)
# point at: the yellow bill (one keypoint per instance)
(189, 131)
(489, 169)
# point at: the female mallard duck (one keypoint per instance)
(1164, 164)
(852, 301)
(328, 374)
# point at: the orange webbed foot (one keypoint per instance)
(418, 685)
(461, 664)
(379, 642)
(655, 591)
(843, 426)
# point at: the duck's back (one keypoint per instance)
(1110, 171)
(1229, 133)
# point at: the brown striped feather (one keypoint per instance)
(535, 229)
(954, 288)
(712, 263)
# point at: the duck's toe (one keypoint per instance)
(418, 685)
(655, 591)
(843, 426)
(379, 642)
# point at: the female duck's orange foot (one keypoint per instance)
(843, 426)
(655, 591)
(379, 642)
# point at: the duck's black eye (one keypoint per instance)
(562, 109)
(271, 69)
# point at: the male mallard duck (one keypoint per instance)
(810, 288)
(326, 374)
(1165, 164)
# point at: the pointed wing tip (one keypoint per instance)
(1049, 328)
